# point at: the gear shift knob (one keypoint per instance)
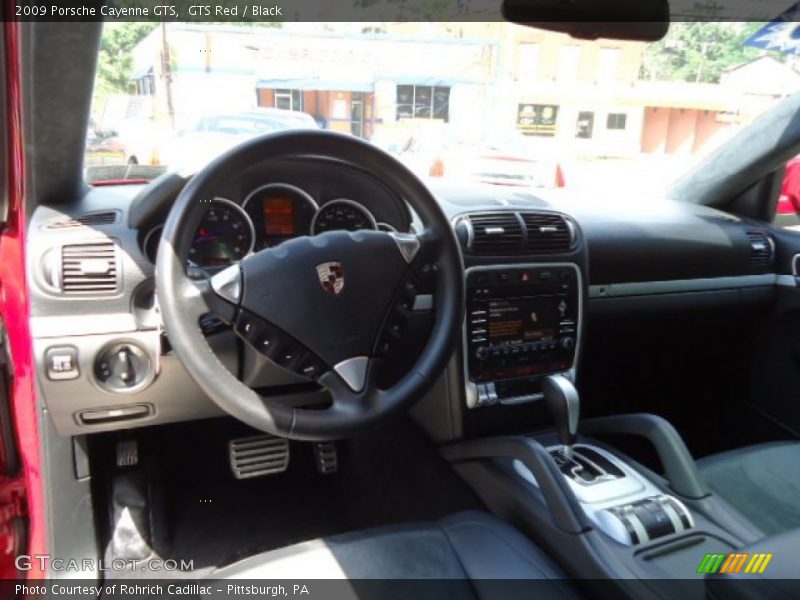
(564, 403)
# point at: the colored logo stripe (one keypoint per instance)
(734, 562)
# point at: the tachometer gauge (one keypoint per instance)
(224, 236)
(342, 214)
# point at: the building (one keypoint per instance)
(381, 80)
(351, 82)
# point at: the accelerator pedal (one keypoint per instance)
(258, 455)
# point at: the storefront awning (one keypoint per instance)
(310, 83)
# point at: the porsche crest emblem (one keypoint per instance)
(331, 277)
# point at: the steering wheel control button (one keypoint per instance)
(122, 367)
(228, 284)
(250, 328)
(354, 372)
(61, 363)
(265, 338)
(289, 355)
(310, 366)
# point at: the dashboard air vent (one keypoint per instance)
(98, 218)
(547, 233)
(761, 249)
(89, 269)
(496, 233)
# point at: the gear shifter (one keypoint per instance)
(564, 403)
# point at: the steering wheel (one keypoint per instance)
(326, 307)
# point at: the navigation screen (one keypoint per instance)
(521, 320)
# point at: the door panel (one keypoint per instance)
(775, 376)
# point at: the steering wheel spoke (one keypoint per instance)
(351, 384)
(200, 298)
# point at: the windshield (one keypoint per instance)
(490, 102)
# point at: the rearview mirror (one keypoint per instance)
(642, 20)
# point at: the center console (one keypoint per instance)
(522, 323)
(620, 502)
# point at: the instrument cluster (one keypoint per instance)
(269, 215)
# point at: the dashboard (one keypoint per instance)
(562, 259)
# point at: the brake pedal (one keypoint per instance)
(326, 457)
(258, 455)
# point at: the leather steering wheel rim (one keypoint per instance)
(182, 300)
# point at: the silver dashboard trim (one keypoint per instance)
(647, 288)
(470, 388)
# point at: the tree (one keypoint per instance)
(700, 52)
(115, 60)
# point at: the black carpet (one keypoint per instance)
(202, 513)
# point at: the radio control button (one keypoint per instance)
(567, 343)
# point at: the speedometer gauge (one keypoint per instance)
(224, 236)
(342, 214)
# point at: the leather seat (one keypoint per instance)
(462, 549)
(762, 482)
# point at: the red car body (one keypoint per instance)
(22, 523)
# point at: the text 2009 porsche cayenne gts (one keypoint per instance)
(312, 359)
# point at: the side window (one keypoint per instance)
(787, 212)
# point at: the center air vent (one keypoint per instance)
(89, 269)
(496, 233)
(547, 233)
(88, 220)
(511, 233)
(761, 249)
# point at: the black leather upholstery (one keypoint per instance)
(762, 482)
(470, 546)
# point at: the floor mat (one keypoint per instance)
(392, 475)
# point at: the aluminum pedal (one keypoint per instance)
(258, 455)
(127, 453)
(326, 457)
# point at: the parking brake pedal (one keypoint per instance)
(326, 457)
(258, 455)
